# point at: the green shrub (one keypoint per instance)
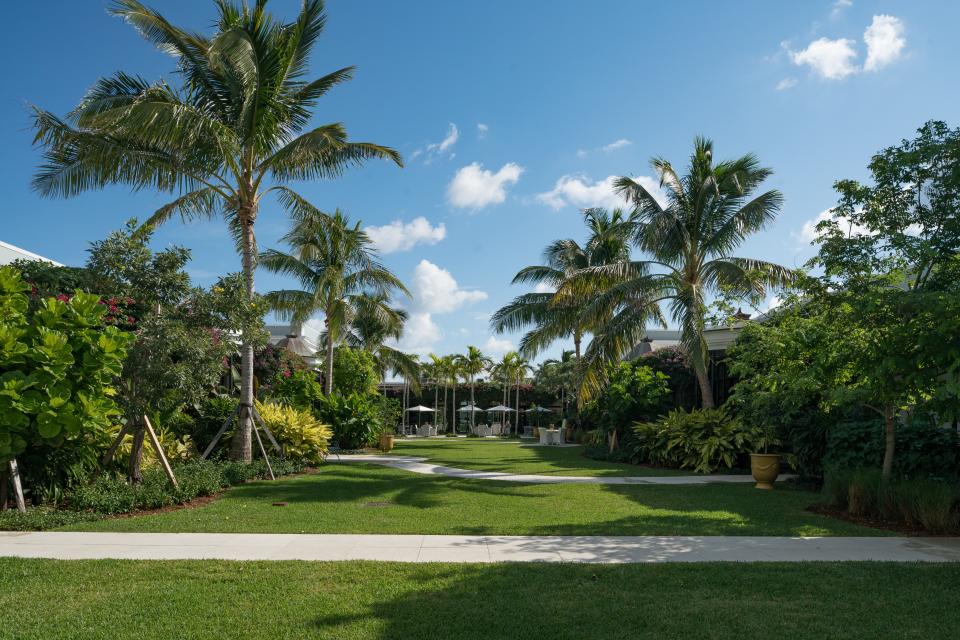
(300, 434)
(299, 389)
(41, 519)
(355, 420)
(702, 440)
(933, 505)
(111, 494)
(211, 413)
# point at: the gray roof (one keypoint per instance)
(9, 253)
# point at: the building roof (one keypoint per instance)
(9, 253)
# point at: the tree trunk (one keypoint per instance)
(136, 453)
(706, 391)
(518, 401)
(241, 448)
(328, 383)
(473, 404)
(890, 429)
(453, 414)
(576, 344)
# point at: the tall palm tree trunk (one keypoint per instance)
(328, 365)
(473, 404)
(706, 391)
(453, 413)
(242, 446)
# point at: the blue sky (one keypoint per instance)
(511, 116)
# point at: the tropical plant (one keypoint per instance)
(375, 323)
(555, 315)
(472, 364)
(355, 371)
(703, 440)
(355, 420)
(58, 368)
(505, 370)
(230, 133)
(336, 264)
(708, 213)
(299, 433)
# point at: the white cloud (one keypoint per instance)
(619, 143)
(885, 42)
(420, 334)
(831, 59)
(482, 130)
(497, 346)
(435, 290)
(839, 6)
(808, 232)
(616, 144)
(401, 236)
(577, 191)
(786, 83)
(543, 287)
(476, 187)
(453, 134)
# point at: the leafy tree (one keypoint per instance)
(355, 371)
(336, 264)
(633, 393)
(234, 130)
(890, 268)
(709, 212)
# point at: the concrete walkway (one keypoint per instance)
(418, 465)
(429, 548)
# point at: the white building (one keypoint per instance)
(10, 253)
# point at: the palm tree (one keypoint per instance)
(233, 131)
(435, 375)
(374, 324)
(709, 212)
(455, 372)
(558, 375)
(505, 370)
(555, 316)
(472, 364)
(521, 367)
(336, 264)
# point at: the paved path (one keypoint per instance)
(418, 465)
(428, 548)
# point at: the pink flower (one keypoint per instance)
(63, 297)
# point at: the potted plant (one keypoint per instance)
(386, 440)
(765, 466)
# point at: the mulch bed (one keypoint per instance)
(875, 523)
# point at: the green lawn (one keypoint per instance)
(511, 456)
(48, 599)
(358, 498)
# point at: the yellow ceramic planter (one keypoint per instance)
(765, 468)
(386, 442)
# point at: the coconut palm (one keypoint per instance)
(375, 323)
(709, 212)
(454, 370)
(558, 376)
(336, 264)
(521, 367)
(233, 129)
(505, 370)
(472, 364)
(556, 316)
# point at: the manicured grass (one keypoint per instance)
(511, 456)
(356, 498)
(48, 599)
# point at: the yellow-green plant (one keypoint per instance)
(301, 435)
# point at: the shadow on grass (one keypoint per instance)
(656, 601)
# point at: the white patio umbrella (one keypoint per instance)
(469, 409)
(538, 411)
(502, 410)
(420, 409)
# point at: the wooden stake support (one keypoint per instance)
(220, 433)
(266, 458)
(17, 487)
(160, 454)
